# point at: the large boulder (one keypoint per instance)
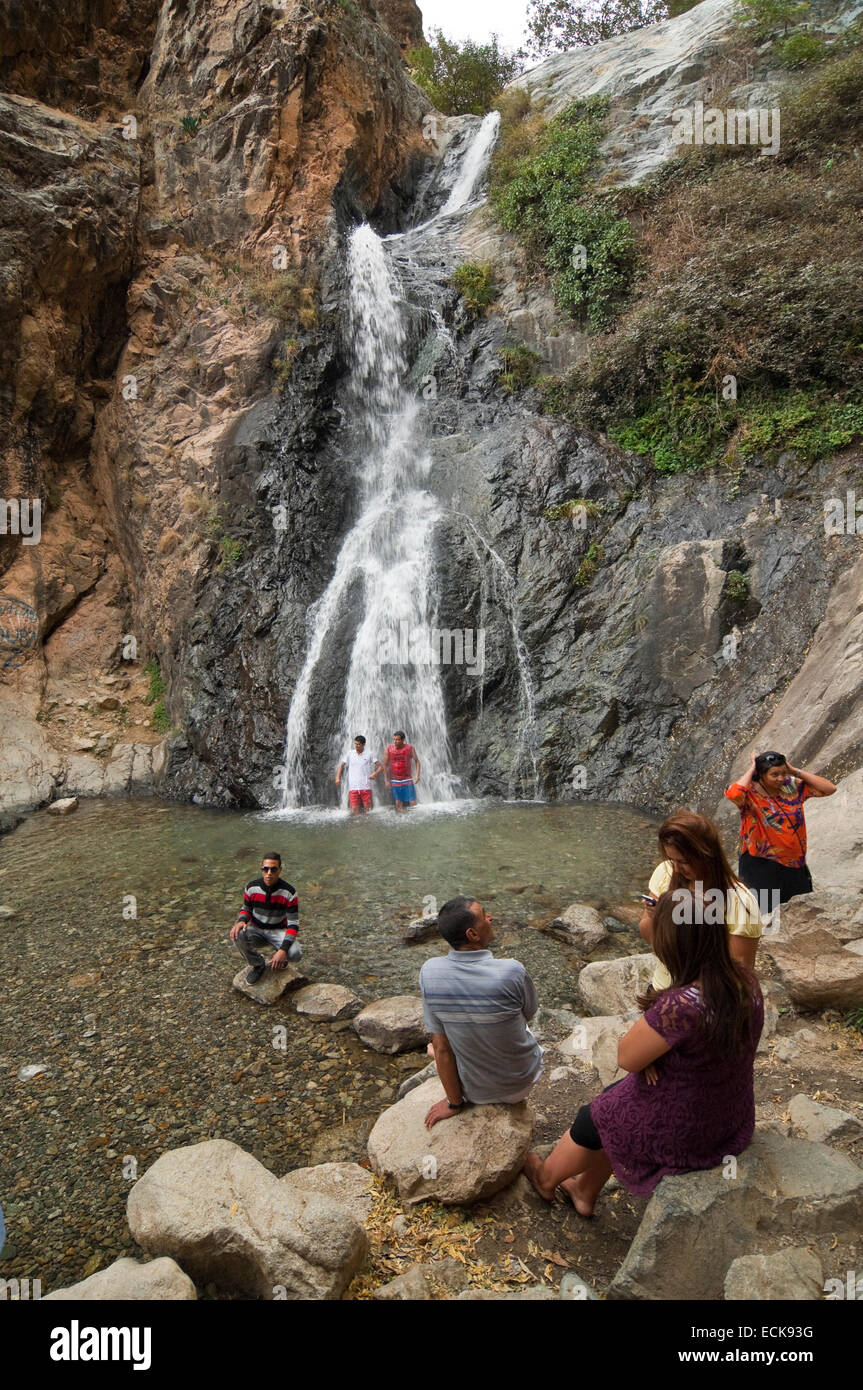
(581, 927)
(788, 1275)
(228, 1220)
(457, 1161)
(610, 986)
(346, 1183)
(392, 1025)
(695, 1225)
(593, 1041)
(272, 984)
(327, 1003)
(823, 1124)
(818, 950)
(127, 1280)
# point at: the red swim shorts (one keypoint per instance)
(360, 799)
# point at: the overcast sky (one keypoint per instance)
(476, 19)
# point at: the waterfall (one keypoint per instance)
(386, 560)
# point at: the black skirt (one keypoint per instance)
(766, 875)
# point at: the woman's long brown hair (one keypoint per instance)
(697, 839)
(692, 950)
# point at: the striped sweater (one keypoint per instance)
(272, 908)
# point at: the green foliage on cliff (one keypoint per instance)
(157, 684)
(462, 79)
(520, 367)
(542, 189)
(744, 334)
(475, 283)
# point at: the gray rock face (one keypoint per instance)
(126, 1280)
(593, 1041)
(611, 986)
(392, 1025)
(580, 926)
(788, 1275)
(327, 1002)
(435, 1280)
(816, 950)
(458, 1161)
(575, 1290)
(226, 1219)
(272, 984)
(347, 1183)
(782, 1187)
(822, 1124)
(420, 929)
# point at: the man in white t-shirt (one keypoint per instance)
(362, 768)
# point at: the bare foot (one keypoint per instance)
(531, 1168)
(583, 1205)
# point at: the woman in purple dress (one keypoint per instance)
(689, 1100)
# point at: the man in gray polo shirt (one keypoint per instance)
(477, 1010)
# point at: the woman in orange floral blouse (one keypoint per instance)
(770, 796)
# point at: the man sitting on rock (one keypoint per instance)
(270, 916)
(477, 1010)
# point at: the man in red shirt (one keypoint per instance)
(398, 762)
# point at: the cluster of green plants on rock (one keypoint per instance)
(743, 337)
(543, 189)
(475, 283)
(462, 79)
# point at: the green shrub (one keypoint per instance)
(737, 586)
(159, 718)
(462, 79)
(192, 124)
(475, 284)
(283, 362)
(761, 18)
(520, 367)
(557, 25)
(589, 565)
(542, 190)
(157, 684)
(232, 551)
(854, 1019)
(798, 50)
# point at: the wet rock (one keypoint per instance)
(611, 986)
(458, 1161)
(272, 984)
(420, 929)
(346, 1183)
(581, 927)
(439, 1279)
(784, 1186)
(788, 1275)
(126, 1280)
(227, 1219)
(64, 807)
(593, 1041)
(411, 1082)
(817, 950)
(392, 1025)
(822, 1124)
(327, 1003)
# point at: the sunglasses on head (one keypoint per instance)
(774, 760)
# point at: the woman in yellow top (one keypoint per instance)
(696, 862)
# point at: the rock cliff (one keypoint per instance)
(173, 357)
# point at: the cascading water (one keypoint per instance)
(386, 560)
